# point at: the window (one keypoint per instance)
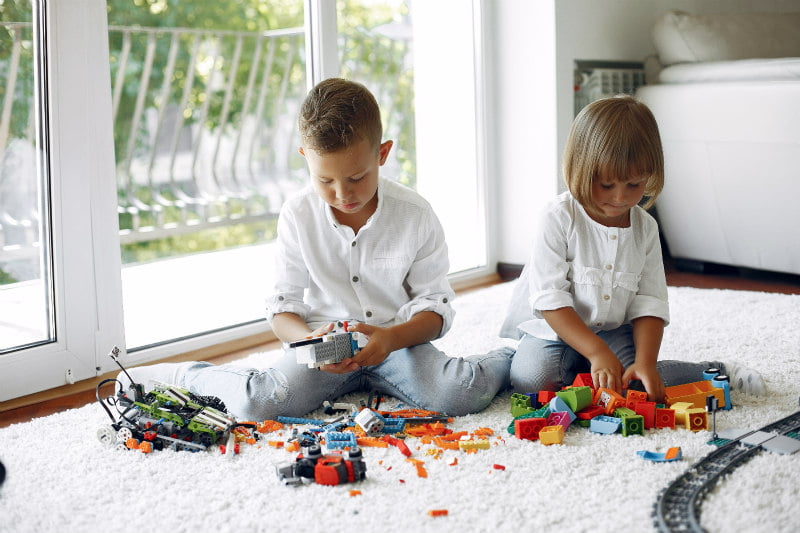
(26, 288)
(191, 107)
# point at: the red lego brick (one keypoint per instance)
(648, 412)
(528, 428)
(583, 380)
(664, 418)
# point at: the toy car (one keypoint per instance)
(331, 469)
(166, 417)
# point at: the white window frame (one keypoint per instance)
(85, 245)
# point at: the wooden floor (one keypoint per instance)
(711, 277)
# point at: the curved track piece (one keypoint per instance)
(678, 506)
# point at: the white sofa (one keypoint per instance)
(727, 101)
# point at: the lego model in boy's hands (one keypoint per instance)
(166, 417)
(328, 349)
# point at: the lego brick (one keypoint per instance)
(551, 435)
(648, 411)
(576, 398)
(529, 428)
(583, 379)
(589, 412)
(545, 396)
(605, 425)
(520, 404)
(560, 418)
(557, 405)
(696, 419)
(664, 418)
(778, 444)
(632, 425)
(609, 399)
(633, 396)
(694, 393)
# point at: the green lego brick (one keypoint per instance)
(520, 404)
(632, 425)
(621, 412)
(576, 398)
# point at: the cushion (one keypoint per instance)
(681, 37)
(781, 69)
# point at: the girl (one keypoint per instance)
(593, 297)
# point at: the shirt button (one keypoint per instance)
(368, 313)
(606, 297)
(353, 243)
(598, 324)
(609, 267)
(613, 238)
(444, 300)
(280, 298)
(355, 279)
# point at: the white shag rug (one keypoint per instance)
(60, 478)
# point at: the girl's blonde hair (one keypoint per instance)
(615, 137)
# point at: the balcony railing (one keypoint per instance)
(204, 125)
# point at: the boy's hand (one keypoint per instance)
(380, 344)
(649, 377)
(373, 353)
(320, 331)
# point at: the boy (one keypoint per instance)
(353, 246)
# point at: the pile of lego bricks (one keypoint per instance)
(546, 415)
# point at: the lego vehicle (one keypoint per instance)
(328, 349)
(166, 417)
(330, 469)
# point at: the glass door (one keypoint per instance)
(26, 282)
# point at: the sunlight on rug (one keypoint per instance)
(61, 478)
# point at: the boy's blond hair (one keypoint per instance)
(337, 114)
(616, 137)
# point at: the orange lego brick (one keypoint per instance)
(694, 393)
(672, 453)
(609, 399)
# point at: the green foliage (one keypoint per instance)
(18, 12)
(201, 241)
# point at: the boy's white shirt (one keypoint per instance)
(610, 276)
(395, 267)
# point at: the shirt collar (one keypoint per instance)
(335, 223)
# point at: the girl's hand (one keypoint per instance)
(607, 371)
(649, 377)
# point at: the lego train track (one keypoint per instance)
(678, 507)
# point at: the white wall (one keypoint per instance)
(535, 45)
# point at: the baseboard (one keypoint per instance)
(509, 271)
(219, 353)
